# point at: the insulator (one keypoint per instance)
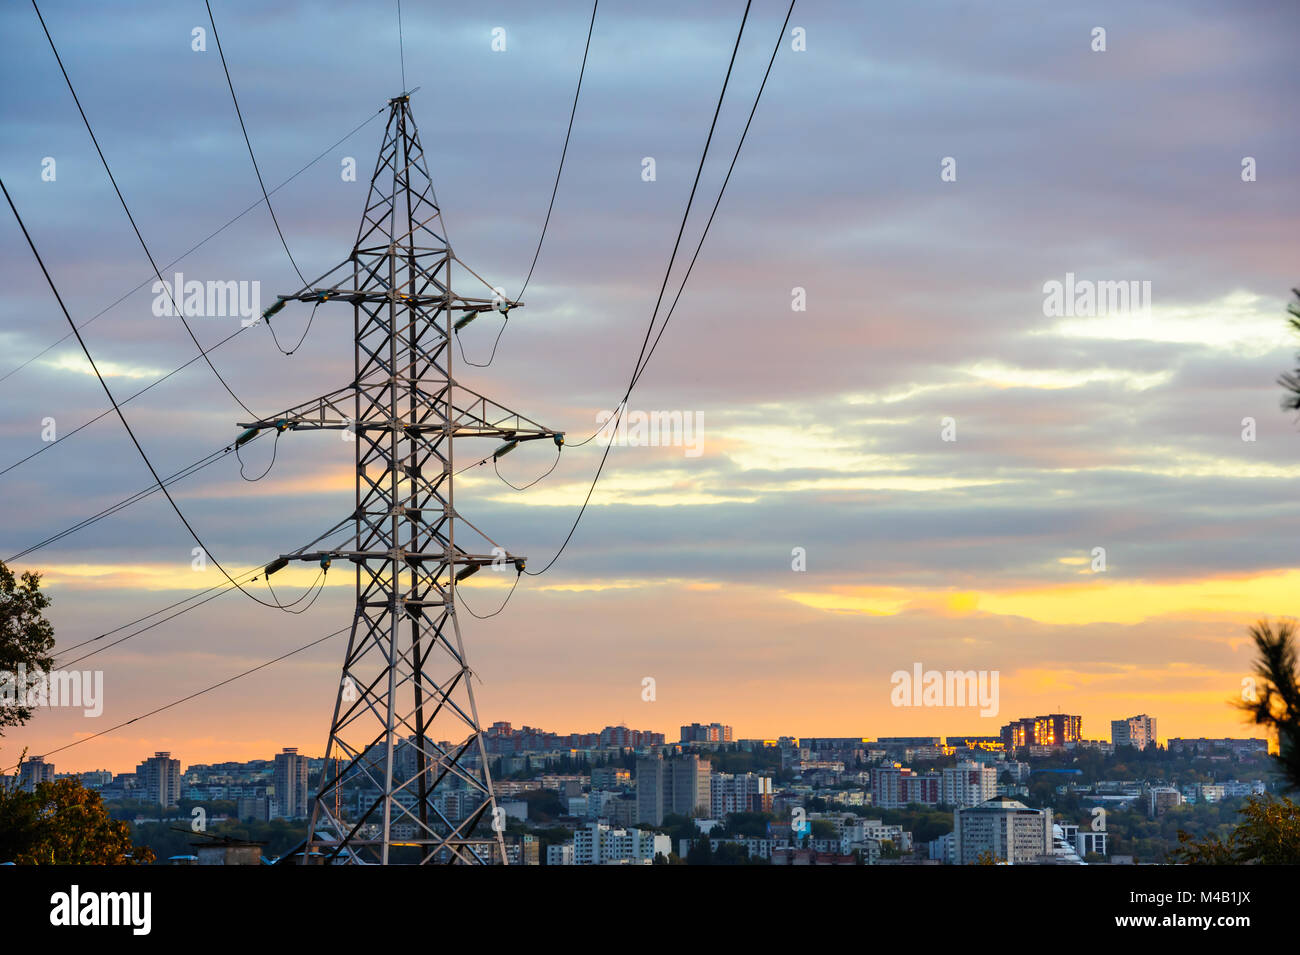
(464, 320)
(279, 304)
(467, 572)
(325, 562)
(246, 437)
(520, 564)
(558, 438)
(505, 449)
(280, 563)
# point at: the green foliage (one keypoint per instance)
(26, 637)
(732, 759)
(544, 805)
(168, 839)
(821, 829)
(1150, 840)
(678, 827)
(746, 825)
(701, 853)
(1269, 835)
(63, 823)
(1291, 382)
(1276, 700)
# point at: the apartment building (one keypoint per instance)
(1004, 829)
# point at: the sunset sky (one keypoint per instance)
(822, 429)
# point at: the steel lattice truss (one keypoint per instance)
(405, 764)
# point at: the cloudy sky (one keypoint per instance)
(822, 428)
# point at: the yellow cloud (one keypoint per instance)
(1101, 600)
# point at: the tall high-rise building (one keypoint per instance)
(160, 779)
(707, 733)
(888, 786)
(1136, 731)
(1004, 829)
(747, 792)
(968, 784)
(680, 786)
(1055, 729)
(922, 790)
(290, 780)
(34, 771)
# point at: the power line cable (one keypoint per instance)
(107, 411)
(401, 44)
(461, 601)
(198, 693)
(107, 391)
(302, 338)
(180, 475)
(122, 199)
(564, 152)
(524, 487)
(681, 288)
(505, 318)
(225, 589)
(247, 576)
(206, 239)
(275, 447)
(653, 316)
(222, 588)
(730, 169)
(247, 142)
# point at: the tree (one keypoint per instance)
(700, 852)
(63, 823)
(1270, 835)
(1291, 382)
(1276, 701)
(26, 639)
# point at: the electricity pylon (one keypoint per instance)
(405, 765)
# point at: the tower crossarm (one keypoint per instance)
(474, 416)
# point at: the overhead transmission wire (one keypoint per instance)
(401, 44)
(194, 248)
(730, 169)
(198, 693)
(301, 338)
(190, 469)
(240, 330)
(612, 424)
(663, 287)
(312, 591)
(127, 209)
(275, 448)
(554, 190)
(107, 411)
(107, 391)
(485, 616)
(247, 142)
(221, 589)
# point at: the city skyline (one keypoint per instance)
(257, 752)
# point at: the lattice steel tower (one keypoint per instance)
(407, 776)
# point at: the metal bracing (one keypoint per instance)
(407, 776)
